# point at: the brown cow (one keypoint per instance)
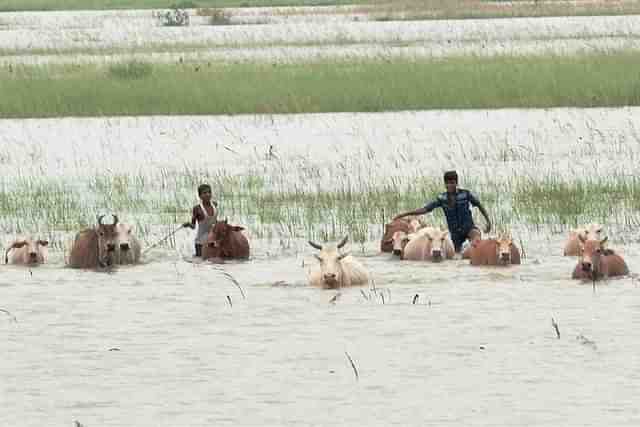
(337, 270)
(429, 244)
(573, 245)
(596, 262)
(500, 251)
(408, 224)
(225, 241)
(27, 252)
(95, 247)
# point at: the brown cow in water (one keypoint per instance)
(573, 245)
(95, 247)
(27, 252)
(500, 251)
(337, 270)
(596, 262)
(225, 241)
(409, 224)
(429, 244)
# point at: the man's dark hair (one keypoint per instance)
(450, 176)
(202, 188)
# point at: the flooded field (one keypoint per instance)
(173, 342)
(81, 37)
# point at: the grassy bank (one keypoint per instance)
(146, 89)
(35, 5)
(379, 9)
(273, 208)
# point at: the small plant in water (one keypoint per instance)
(175, 17)
(133, 70)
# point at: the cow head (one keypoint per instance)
(124, 243)
(592, 252)
(33, 251)
(400, 240)
(107, 241)
(437, 242)
(330, 262)
(503, 249)
(219, 233)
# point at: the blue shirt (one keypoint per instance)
(459, 218)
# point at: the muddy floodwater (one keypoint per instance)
(174, 342)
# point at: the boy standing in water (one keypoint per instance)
(456, 204)
(205, 214)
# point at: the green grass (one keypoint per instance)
(330, 86)
(25, 5)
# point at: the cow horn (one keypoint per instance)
(343, 242)
(115, 219)
(315, 245)
(100, 219)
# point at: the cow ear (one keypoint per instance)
(387, 241)
(603, 241)
(19, 244)
(237, 228)
(344, 255)
(581, 237)
(43, 242)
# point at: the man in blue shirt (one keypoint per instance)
(456, 204)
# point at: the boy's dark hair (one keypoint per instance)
(451, 176)
(202, 188)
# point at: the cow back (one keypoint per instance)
(84, 252)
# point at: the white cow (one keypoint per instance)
(27, 252)
(335, 269)
(429, 244)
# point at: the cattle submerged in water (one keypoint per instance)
(429, 244)
(501, 251)
(95, 247)
(597, 262)
(128, 249)
(573, 245)
(335, 269)
(225, 241)
(409, 224)
(27, 252)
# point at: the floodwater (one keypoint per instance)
(172, 342)
(22, 34)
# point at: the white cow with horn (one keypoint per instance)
(335, 269)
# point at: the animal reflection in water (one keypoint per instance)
(336, 269)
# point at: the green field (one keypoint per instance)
(329, 86)
(23, 5)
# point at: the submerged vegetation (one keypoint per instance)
(325, 86)
(271, 207)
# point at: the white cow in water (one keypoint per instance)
(27, 251)
(335, 269)
(128, 247)
(429, 244)
(573, 245)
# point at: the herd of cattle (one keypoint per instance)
(107, 245)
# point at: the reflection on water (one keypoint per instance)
(174, 343)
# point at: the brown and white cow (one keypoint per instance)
(27, 252)
(225, 241)
(597, 262)
(501, 251)
(335, 269)
(128, 247)
(400, 240)
(573, 245)
(429, 244)
(95, 247)
(408, 224)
